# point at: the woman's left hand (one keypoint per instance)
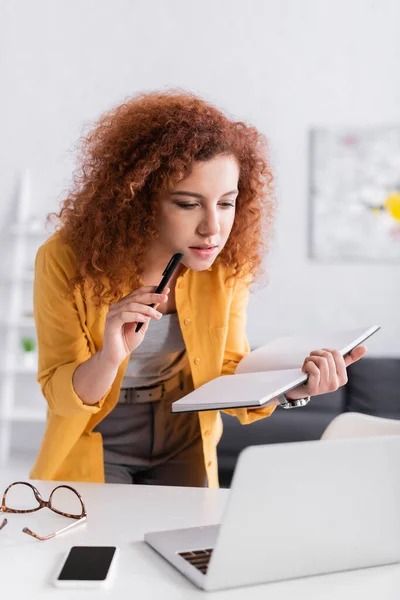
(326, 372)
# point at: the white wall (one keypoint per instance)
(284, 65)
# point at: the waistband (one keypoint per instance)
(153, 393)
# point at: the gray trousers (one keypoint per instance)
(144, 443)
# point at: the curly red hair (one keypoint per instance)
(139, 150)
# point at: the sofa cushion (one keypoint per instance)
(298, 424)
(332, 403)
(374, 387)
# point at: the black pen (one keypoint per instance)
(166, 276)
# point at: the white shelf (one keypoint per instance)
(19, 369)
(22, 322)
(25, 278)
(25, 322)
(26, 232)
(26, 414)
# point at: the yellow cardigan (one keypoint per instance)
(212, 317)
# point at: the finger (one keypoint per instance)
(329, 379)
(340, 365)
(126, 316)
(136, 307)
(142, 331)
(355, 355)
(314, 377)
(148, 289)
(130, 328)
(128, 297)
(115, 322)
(152, 298)
(145, 299)
(325, 353)
(322, 363)
(145, 288)
(144, 328)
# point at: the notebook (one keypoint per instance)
(268, 371)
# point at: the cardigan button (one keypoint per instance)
(187, 322)
(209, 463)
(197, 360)
(181, 285)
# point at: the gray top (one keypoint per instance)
(160, 356)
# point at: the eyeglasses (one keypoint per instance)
(30, 501)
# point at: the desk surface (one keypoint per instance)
(120, 515)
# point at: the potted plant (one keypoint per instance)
(29, 347)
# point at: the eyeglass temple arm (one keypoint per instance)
(48, 537)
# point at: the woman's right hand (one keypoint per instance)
(120, 338)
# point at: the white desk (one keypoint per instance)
(120, 515)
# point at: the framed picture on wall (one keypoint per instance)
(355, 195)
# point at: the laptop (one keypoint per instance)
(295, 510)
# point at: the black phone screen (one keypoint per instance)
(87, 563)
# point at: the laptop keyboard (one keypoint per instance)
(198, 558)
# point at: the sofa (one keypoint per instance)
(373, 388)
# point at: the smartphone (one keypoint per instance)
(87, 566)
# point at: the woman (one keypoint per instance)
(162, 173)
